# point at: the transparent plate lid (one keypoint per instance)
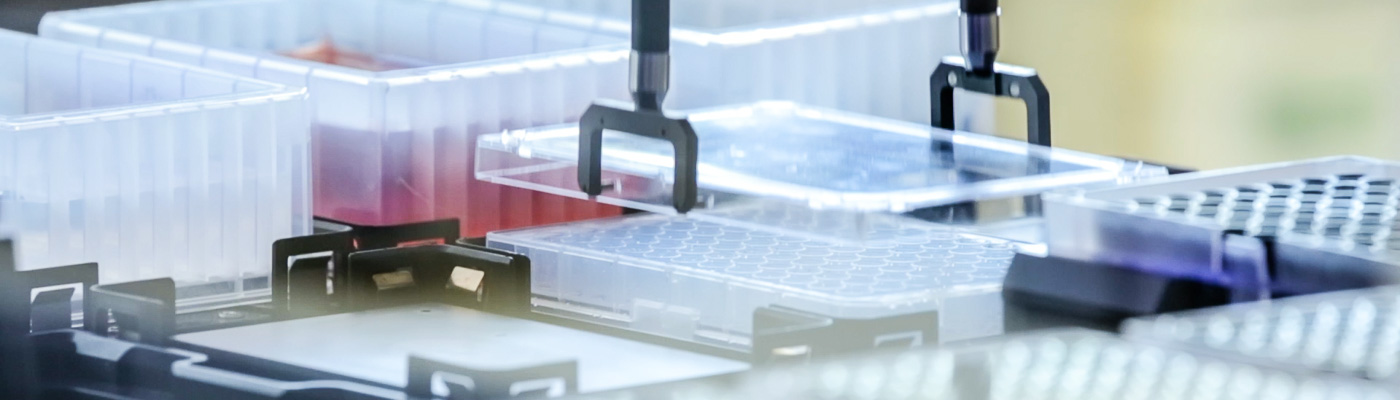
(822, 158)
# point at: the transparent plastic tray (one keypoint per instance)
(817, 158)
(400, 89)
(1354, 333)
(1340, 206)
(702, 281)
(152, 169)
(1068, 364)
(872, 57)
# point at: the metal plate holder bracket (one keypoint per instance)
(458, 274)
(547, 380)
(782, 333)
(299, 288)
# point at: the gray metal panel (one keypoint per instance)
(375, 346)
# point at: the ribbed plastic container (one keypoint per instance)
(872, 57)
(1065, 364)
(1353, 333)
(152, 169)
(399, 90)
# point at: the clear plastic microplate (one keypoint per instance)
(1354, 333)
(1331, 222)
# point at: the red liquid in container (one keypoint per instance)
(393, 178)
(392, 186)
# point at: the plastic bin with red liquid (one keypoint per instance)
(399, 91)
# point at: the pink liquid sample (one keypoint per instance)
(365, 178)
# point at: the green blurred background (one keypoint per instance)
(1197, 83)
(1212, 83)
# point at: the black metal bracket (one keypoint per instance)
(1246, 261)
(1299, 269)
(783, 334)
(84, 362)
(49, 310)
(1093, 295)
(464, 383)
(1004, 81)
(1260, 268)
(649, 82)
(140, 311)
(461, 274)
(299, 288)
(648, 123)
(1245, 268)
(19, 316)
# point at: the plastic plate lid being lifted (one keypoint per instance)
(825, 159)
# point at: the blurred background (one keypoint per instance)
(1195, 83)
(1212, 83)
(23, 15)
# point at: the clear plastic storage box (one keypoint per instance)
(152, 169)
(1332, 221)
(1065, 364)
(1353, 333)
(399, 90)
(873, 57)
